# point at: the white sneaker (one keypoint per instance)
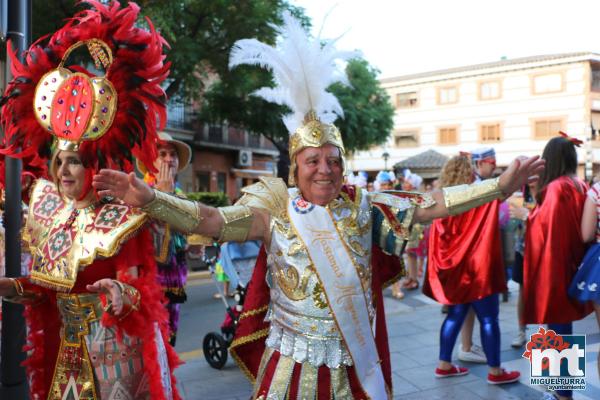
(476, 355)
(519, 340)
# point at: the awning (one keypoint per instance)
(251, 173)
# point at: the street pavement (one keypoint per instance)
(413, 328)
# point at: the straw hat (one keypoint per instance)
(184, 152)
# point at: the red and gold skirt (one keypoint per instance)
(280, 377)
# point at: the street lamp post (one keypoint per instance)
(385, 156)
(12, 374)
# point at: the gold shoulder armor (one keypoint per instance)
(268, 194)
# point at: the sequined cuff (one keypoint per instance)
(23, 296)
(462, 198)
(130, 297)
(181, 214)
(237, 221)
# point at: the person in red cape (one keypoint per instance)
(465, 270)
(483, 161)
(313, 324)
(554, 246)
(96, 325)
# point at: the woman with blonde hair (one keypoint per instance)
(96, 325)
(465, 270)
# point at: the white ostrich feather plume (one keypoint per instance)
(303, 68)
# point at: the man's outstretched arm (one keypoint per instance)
(458, 199)
(237, 223)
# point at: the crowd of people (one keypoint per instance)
(107, 273)
(537, 237)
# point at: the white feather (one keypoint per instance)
(303, 68)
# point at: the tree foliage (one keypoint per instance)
(200, 34)
(368, 112)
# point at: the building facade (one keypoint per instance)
(514, 106)
(224, 158)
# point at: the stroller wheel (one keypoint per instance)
(215, 350)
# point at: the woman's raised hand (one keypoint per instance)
(110, 289)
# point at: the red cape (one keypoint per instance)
(553, 251)
(249, 342)
(465, 261)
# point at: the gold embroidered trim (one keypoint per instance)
(340, 384)
(94, 232)
(269, 194)
(264, 360)
(281, 378)
(307, 387)
(462, 198)
(256, 311)
(183, 215)
(164, 247)
(237, 221)
(290, 282)
(241, 341)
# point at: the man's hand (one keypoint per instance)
(129, 188)
(520, 172)
(165, 181)
(112, 291)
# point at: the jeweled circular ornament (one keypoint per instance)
(62, 98)
(63, 113)
(55, 95)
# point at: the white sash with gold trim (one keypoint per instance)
(341, 283)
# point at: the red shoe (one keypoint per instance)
(504, 377)
(454, 371)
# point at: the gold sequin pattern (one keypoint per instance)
(462, 198)
(281, 379)
(181, 214)
(77, 312)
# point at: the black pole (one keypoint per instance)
(12, 374)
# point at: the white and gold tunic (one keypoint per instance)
(301, 323)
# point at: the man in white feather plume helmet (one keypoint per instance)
(313, 323)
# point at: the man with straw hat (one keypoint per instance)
(313, 321)
(173, 156)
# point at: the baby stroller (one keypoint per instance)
(237, 260)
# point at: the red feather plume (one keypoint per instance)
(137, 71)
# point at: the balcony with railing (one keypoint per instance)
(180, 116)
(229, 137)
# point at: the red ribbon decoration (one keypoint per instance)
(573, 140)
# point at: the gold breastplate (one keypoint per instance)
(62, 239)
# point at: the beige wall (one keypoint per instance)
(516, 110)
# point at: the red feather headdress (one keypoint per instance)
(133, 58)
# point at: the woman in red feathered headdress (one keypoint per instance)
(96, 325)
